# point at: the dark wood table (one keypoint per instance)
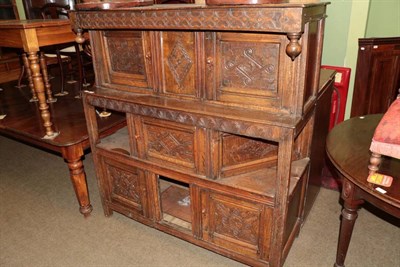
(348, 149)
(23, 123)
(30, 35)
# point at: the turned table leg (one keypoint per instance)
(30, 80)
(39, 89)
(73, 156)
(349, 216)
(43, 66)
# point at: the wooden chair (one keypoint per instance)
(386, 139)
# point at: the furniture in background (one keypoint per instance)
(377, 75)
(22, 122)
(386, 139)
(9, 58)
(33, 7)
(348, 150)
(63, 52)
(8, 9)
(31, 35)
(222, 106)
(10, 65)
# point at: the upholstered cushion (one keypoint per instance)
(386, 139)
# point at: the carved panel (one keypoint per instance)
(249, 65)
(237, 222)
(237, 149)
(178, 49)
(123, 60)
(126, 54)
(124, 184)
(172, 143)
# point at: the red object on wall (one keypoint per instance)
(339, 96)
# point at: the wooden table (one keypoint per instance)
(348, 149)
(23, 123)
(31, 35)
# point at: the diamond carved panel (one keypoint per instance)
(179, 62)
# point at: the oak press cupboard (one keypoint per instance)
(226, 117)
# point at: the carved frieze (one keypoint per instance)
(222, 124)
(242, 19)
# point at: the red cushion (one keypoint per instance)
(386, 139)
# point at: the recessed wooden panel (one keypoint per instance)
(127, 58)
(247, 69)
(179, 63)
(234, 224)
(125, 185)
(239, 154)
(174, 143)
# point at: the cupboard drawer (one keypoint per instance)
(236, 224)
(174, 144)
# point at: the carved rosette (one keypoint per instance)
(347, 190)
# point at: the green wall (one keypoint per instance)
(336, 32)
(349, 20)
(383, 18)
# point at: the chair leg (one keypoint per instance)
(375, 160)
(21, 75)
(60, 64)
(80, 68)
(45, 74)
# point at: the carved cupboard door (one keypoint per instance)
(235, 224)
(124, 60)
(178, 63)
(125, 187)
(250, 69)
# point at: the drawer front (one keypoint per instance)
(174, 144)
(125, 60)
(236, 224)
(125, 186)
